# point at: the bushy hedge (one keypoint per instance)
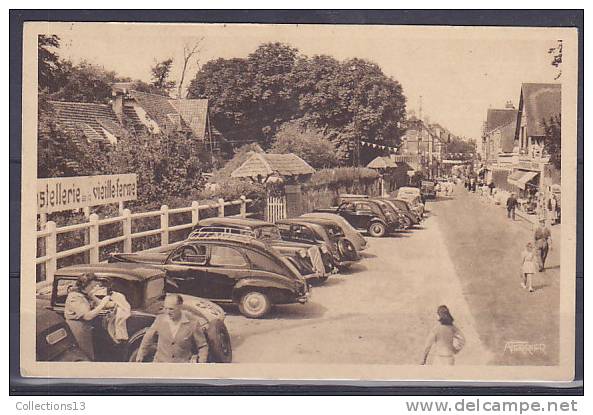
(340, 176)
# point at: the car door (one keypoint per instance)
(348, 212)
(186, 269)
(227, 265)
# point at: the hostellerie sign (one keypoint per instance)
(68, 193)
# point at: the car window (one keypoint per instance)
(303, 233)
(334, 231)
(224, 255)
(64, 285)
(348, 206)
(268, 232)
(190, 253)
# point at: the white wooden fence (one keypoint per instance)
(50, 231)
(276, 208)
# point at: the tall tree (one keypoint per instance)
(191, 56)
(160, 74)
(553, 140)
(48, 62)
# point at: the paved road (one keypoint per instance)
(380, 313)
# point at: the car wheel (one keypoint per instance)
(254, 304)
(377, 230)
(407, 223)
(346, 249)
(219, 343)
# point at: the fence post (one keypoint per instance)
(127, 229)
(50, 251)
(243, 206)
(164, 225)
(221, 208)
(195, 213)
(94, 238)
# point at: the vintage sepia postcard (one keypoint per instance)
(298, 202)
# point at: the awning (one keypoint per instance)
(521, 178)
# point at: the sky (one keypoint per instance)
(459, 72)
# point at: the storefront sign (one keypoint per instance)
(68, 193)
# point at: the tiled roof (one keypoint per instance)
(507, 137)
(262, 164)
(194, 113)
(157, 107)
(540, 101)
(87, 118)
(498, 117)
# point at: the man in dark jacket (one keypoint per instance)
(511, 206)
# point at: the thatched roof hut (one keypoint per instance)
(262, 165)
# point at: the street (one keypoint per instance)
(465, 255)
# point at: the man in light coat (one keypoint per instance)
(177, 334)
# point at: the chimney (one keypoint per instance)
(119, 91)
(509, 105)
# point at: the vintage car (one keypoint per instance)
(428, 189)
(365, 215)
(228, 268)
(354, 236)
(55, 341)
(144, 288)
(404, 207)
(413, 196)
(392, 213)
(323, 231)
(312, 259)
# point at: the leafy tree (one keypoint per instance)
(553, 140)
(249, 98)
(160, 73)
(457, 146)
(85, 82)
(168, 166)
(48, 65)
(308, 143)
(349, 101)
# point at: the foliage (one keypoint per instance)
(349, 101)
(168, 166)
(160, 74)
(457, 146)
(48, 61)
(553, 140)
(307, 142)
(249, 97)
(340, 176)
(233, 189)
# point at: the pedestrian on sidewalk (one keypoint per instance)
(528, 260)
(511, 206)
(445, 340)
(543, 243)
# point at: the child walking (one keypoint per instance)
(528, 267)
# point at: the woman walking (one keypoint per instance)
(445, 340)
(528, 267)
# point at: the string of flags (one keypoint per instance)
(375, 145)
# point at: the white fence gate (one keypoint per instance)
(276, 208)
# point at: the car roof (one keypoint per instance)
(124, 270)
(297, 221)
(219, 238)
(235, 221)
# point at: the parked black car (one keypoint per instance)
(354, 236)
(312, 259)
(144, 288)
(365, 215)
(55, 341)
(404, 207)
(228, 269)
(321, 230)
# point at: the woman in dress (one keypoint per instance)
(445, 340)
(528, 267)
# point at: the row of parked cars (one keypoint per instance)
(250, 263)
